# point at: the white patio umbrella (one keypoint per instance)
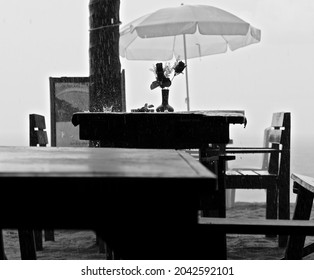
(186, 31)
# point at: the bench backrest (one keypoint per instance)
(37, 130)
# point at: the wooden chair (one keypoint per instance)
(274, 175)
(297, 229)
(37, 131)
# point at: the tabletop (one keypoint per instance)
(231, 116)
(124, 195)
(103, 162)
(177, 130)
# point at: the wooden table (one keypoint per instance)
(143, 202)
(179, 130)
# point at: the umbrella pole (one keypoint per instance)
(186, 76)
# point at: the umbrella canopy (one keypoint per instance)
(186, 31)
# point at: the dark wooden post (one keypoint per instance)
(105, 84)
(27, 244)
(105, 67)
(284, 182)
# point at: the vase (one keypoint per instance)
(165, 107)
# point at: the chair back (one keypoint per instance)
(278, 137)
(266, 144)
(37, 130)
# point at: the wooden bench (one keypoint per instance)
(297, 229)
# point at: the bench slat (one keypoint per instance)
(258, 226)
(305, 181)
(249, 150)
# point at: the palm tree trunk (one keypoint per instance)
(105, 66)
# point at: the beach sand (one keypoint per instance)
(81, 245)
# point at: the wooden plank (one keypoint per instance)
(251, 181)
(250, 150)
(231, 116)
(232, 172)
(258, 226)
(305, 181)
(244, 172)
(104, 162)
(264, 173)
(249, 172)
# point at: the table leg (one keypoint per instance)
(27, 244)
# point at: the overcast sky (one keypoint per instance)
(43, 38)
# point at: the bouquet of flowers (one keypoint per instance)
(163, 72)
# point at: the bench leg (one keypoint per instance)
(38, 239)
(284, 202)
(271, 204)
(303, 208)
